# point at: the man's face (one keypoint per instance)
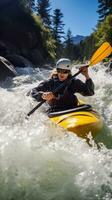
(62, 74)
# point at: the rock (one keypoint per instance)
(19, 61)
(6, 69)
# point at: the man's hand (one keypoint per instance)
(84, 71)
(48, 96)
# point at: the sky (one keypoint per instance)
(79, 15)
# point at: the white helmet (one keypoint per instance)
(64, 63)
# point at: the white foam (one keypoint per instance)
(39, 160)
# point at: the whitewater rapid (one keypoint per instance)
(41, 161)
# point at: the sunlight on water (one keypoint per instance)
(41, 161)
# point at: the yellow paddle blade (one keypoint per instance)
(102, 52)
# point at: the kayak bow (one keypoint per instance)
(81, 120)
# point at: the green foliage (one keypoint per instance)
(24, 34)
(43, 10)
(104, 9)
(84, 50)
(58, 25)
(30, 34)
(58, 31)
(69, 46)
(37, 21)
(87, 47)
(104, 31)
(49, 42)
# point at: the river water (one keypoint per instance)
(40, 161)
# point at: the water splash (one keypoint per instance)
(39, 160)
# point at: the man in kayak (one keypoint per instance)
(65, 98)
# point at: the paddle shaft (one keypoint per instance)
(35, 108)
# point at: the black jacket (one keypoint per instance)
(66, 97)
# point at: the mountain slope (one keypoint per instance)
(76, 39)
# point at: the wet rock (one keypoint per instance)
(6, 69)
(19, 61)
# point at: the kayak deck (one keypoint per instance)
(79, 122)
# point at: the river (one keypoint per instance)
(41, 161)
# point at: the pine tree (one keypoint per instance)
(69, 45)
(104, 9)
(43, 10)
(58, 25)
(104, 31)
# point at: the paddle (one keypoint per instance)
(102, 52)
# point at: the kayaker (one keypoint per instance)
(65, 98)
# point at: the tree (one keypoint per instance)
(24, 34)
(69, 45)
(43, 10)
(87, 47)
(58, 25)
(104, 9)
(104, 31)
(58, 31)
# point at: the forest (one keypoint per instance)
(28, 29)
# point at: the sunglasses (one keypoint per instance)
(62, 71)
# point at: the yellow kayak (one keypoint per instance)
(81, 120)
